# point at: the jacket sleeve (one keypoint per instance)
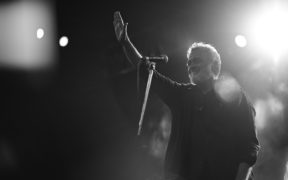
(248, 143)
(167, 89)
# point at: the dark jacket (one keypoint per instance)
(209, 138)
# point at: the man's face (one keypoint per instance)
(199, 66)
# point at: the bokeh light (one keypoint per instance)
(241, 41)
(63, 41)
(40, 33)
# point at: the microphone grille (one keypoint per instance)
(165, 58)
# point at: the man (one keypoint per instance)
(212, 136)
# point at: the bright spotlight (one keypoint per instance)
(40, 33)
(241, 41)
(270, 31)
(63, 41)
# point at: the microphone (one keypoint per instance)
(156, 59)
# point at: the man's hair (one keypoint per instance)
(215, 56)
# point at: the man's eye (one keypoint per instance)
(197, 60)
(194, 61)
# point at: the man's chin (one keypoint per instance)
(199, 80)
(193, 81)
(196, 79)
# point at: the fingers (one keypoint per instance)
(118, 18)
(118, 21)
(119, 26)
(116, 13)
(125, 30)
(125, 27)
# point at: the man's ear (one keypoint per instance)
(215, 68)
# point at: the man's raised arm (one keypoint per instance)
(130, 50)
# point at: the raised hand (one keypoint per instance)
(130, 50)
(119, 27)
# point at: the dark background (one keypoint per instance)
(79, 119)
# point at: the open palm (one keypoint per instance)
(119, 27)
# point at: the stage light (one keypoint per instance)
(241, 41)
(270, 31)
(63, 41)
(40, 33)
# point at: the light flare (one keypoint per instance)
(228, 89)
(270, 31)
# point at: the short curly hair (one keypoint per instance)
(215, 56)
